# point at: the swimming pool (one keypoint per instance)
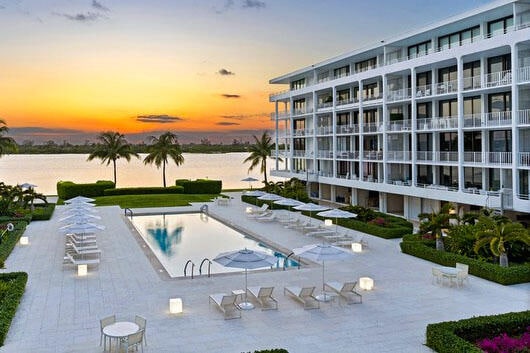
(176, 238)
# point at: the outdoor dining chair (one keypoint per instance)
(106, 321)
(132, 341)
(142, 323)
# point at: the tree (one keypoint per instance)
(7, 144)
(161, 148)
(498, 234)
(111, 147)
(437, 222)
(259, 152)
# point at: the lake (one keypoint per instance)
(44, 170)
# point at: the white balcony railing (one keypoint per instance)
(404, 156)
(347, 129)
(372, 97)
(324, 130)
(423, 91)
(325, 154)
(281, 115)
(347, 101)
(446, 156)
(474, 82)
(501, 78)
(372, 127)
(324, 105)
(448, 122)
(524, 159)
(524, 74)
(302, 111)
(373, 155)
(399, 125)
(400, 94)
(446, 87)
(498, 118)
(498, 158)
(523, 117)
(347, 155)
(473, 157)
(425, 156)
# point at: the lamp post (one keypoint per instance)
(9, 228)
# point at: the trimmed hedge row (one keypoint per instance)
(67, 189)
(43, 212)
(10, 239)
(459, 336)
(200, 186)
(144, 191)
(492, 272)
(10, 299)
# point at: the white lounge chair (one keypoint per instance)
(227, 304)
(303, 295)
(322, 233)
(345, 291)
(263, 295)
(73, 249)
(257, 211)
(78, 242)
(80, 260)
(268, 218)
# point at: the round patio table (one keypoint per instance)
(119, 330)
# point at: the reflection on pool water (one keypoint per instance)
(177, 238)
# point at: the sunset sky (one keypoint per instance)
(203, 65)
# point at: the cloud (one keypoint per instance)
(226, 123)
(159, 119)
(228, 96)
(256, 4)
(35, 130)
(245, 116)
(81, 17)
(99, 6)
(228, 5)
(225, 72)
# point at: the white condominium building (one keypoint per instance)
(439, 115)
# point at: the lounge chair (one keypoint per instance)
(345, 291)
(227, 304)
(268, 218)
(80, 260)
(80, 243)
(142, 324)
(303, 295)
(257, 211)
(263, 295)
(322, 233)
(437, 275)
(81, 237)
(73, 249)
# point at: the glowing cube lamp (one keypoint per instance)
(328, 222)
(24, 241)
(82, 270)
(366, 283)
(175, 305)
(356, 247)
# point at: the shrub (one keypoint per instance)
(504, 275)
(43, 212)
(144, 191)
(275, 350)
(67, 189)
(9, 301)
(460, 336)
(10, 239)
(200, 186)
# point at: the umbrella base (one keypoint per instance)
(246, 306)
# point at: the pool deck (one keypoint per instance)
(60, 312)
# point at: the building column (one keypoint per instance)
(515, 120)
(276, 126)
(413, 126)
(460, 103)
(382, 202)
(385, 134)
(361, 133)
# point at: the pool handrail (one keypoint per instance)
(186, 267)
(287, 258)
(209, 265)
(130, 211)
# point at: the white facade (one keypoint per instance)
(442, 114)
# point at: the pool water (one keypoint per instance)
(177, 238)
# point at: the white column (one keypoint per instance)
(361, 134)
(385, 135)
(276, 123)
(515, 120)
(460, 103)
(414, 124)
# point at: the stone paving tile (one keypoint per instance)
(60, 312)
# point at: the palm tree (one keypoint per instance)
(497, 234)
(7, 144)
(161, 148)
(259, 152)
(437, 223)
(112, 146)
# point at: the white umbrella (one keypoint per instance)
(254, 193)
(270, 197)
(28, 186)
(311, 207)
(79, 218)
(289, 203)
(79, 199)
(81, 228)
(250, 180)
(247, 259)
(323, 253)
(336, 213)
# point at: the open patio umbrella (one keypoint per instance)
(270, 197)
(289, 203)
(311, 207)
(322, 253)
(336, 213)
(28, 186)
(255, 193)
(247, 259)
(78, 218)
(250, 180)
(79, 199)
(83, 228)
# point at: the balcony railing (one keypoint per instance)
(524, 117)
(400, 94)
(347, 155)
(524, 159)
(474, 82)
(373, 155)
(449, 122)
(324, 105)
(281, 115)
(524, 74)
(372, 97)
(346, 101)
(446, 87)
(399, 125)
(347, 129)
(302, 111)
(423, 91)
(324, 130)
(372, 127)
(325, 154)
(501, 78)
(398, 156)
(494, 119)
(498, 158)
(446, 156)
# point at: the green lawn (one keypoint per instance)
(157, 200)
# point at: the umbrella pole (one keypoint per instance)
(323, 266)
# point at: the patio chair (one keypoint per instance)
(437, 275)
(72, 248)
(258, 211)
(80, 260)
(227, 304)
(324, 233)
(69, 238)
(79, 237)
(303, 295)
(106, 321)
(462, 275)
(345, 291)
(132, 341)
(268, 218)
(142, 323)
(263, 295)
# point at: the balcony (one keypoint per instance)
(400, 94)
(328, 154)
(302, 111)
(373, 155)
(347, 129)
(400, 156)
(423, 91)
(324, 130)
(524, 159)
(496, 79)
(347, 155)
(372, 98)
(446, 87)
(439, 123)
(495, 119)
(399, 125)
(372, 127)
(324, 105)
(523, 117)
(348, 101)
(523, 74)
(488, 158)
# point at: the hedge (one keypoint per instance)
(10, 299)
(43, 212)
(67, 189)
(10, 239)
(503, 275)
(274, 350)
(459, 336)
(200, 186)
(144, 191)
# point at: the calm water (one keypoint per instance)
(177, 238)
(45, 170)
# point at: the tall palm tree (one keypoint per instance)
(7, 144)
(497, 234)
(437, 222)
(161, 148)
(111, 147)
(259, 152)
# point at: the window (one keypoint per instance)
(371, 91)
(448, 108)
(472, 75)
(323, 76)
(299, 106)
(423, 79)
(370, 116)
(499, 102)
(425, 174)
(299, 124)
(449, 142)
(501, 141)
(447, 74)
(424, 142)
(473, 141)
(473, 177)
(448, 175)
(458, 38)
(343, 95)
(341, 71)
(299, 144)
(419, 49)
(500, 26)
(365, 65)
(298, 84)
(499, 63)
(472, 105)
(343, 119)
(423, 110)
